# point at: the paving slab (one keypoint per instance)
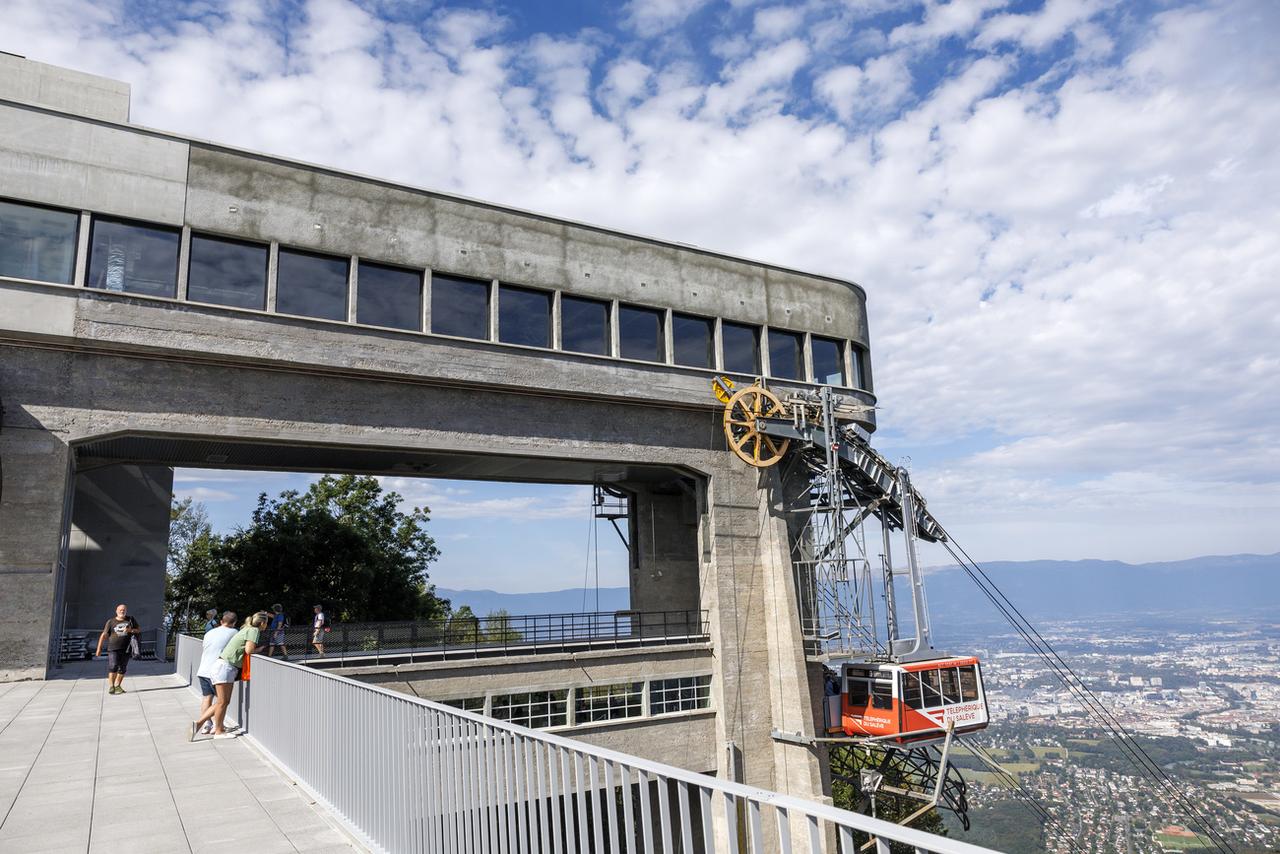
(84, 771)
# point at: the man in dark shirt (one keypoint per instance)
(116, 634)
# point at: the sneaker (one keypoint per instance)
(111, 689)
(195, 730)
(207, 729)
(119, 690)
(227, 735)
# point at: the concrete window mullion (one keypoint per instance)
(426, 301)
(557, 337)
(614, 338)
(668, 338)
(353, 285)
(717, 346)
(82, 249)
(806, 358)
(184, 262)
(493, 310)
(570, 696)
(766, 369)
(273, 267)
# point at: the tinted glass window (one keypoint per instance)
(785, 356)
(459, 307)
(131, 258)
(389, 296)
(741, 345)
(932, 688)
(693, 341)
(640, 333)
(37, 243)
(312, 285)
(911, 691)
(584, 325)
(227, 272)
(950, 685)
(859, 367)
(968, 683)
(524, 317)
(828, 361)
(859, 691)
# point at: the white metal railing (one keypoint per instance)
(412, 775)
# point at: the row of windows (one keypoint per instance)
(927, 689)
(593, 703)
(128, 257)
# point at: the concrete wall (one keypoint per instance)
(62, 89)
(118, 546)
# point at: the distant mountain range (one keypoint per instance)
(1218, 585)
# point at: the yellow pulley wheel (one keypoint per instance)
(740, 415)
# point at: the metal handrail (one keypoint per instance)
(412, 775)
(495, 636)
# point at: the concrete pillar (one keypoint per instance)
(34, 465)
(119, 544)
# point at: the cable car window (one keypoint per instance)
(932, 688)
(968, 683)
(859, 691)
(950, 685)
(882, 694)
(912, 694)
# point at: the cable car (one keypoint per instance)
(912, 702)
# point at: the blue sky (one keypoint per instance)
(1063, 212)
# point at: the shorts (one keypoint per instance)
(118, 660)
(317, 636)
(206, 687)
(277, 638)
(225, 673)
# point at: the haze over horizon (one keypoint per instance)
(1063, 213)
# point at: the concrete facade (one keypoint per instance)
(153, 381)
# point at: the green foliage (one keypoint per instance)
(189, 543)
(498, 628)
(846, 792)
(343, 543)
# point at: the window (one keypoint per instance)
(912, 694)
(968, 683)
(389, 296)
(741, 344)
(227, 272)
(534, 709)
(524, 316)
(693, 340)
(131, 258)
(950, 685)
(467, 704)
(882, 693)
(679, 695)
(640, 334)
(859, 690)
(858, 358)
(828, 361)
(312, 285)
(37, 243)
(786, 355)
(932, 688)
(607, 702)
(584, 325)
(460, 307)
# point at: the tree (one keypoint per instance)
(343, 543)
(847, 764)
(463, 627)
(189, 540)
(498, 628)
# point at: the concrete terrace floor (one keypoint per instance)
(86, 772)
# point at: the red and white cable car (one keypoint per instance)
(912, 702)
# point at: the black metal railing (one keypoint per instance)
(484, 637)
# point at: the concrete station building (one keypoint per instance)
(167, 301)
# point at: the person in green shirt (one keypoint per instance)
(243, 643)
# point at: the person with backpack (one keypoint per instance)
(279, 622)
(318, 627)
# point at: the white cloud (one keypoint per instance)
(449, 503)
(203, 493)
(1078, 269)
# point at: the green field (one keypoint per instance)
(1044, 752)
(1182, 843)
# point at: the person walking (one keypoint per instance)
(214, 641)
(279, 622)
(117, 634)
(318, 627)
(227, 670)
(211, 619)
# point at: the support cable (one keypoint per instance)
(1023, 795)
(1125, 740)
